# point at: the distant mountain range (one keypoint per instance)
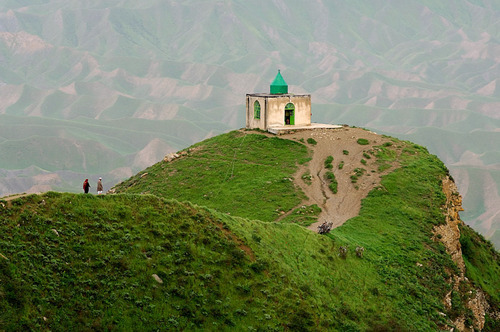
(106, 88)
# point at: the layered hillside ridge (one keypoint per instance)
(104, 88)
(378, 156)
(140, 260)
(359, 159)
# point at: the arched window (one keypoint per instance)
(256, 110)
(289, 114)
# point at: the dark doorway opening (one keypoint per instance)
(289, 114)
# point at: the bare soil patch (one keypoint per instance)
(346, 203)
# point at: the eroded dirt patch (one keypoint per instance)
(342, 144)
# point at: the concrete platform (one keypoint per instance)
(280, 130)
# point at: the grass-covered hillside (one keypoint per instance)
(133, 261)
(248, 175)
(104, 87)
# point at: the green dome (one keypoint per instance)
(279, 85)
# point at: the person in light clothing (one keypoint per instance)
(99, 186)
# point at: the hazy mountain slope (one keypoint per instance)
(378, 64)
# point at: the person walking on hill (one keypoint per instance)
(86, 186)
(99, 186)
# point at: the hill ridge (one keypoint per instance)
(343, 151)
(140, 259)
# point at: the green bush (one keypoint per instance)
(328, 162)
(363, 141)
(311, 141)
(358, 172)
(333, 185)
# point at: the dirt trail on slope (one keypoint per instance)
(10, 198)
(346, 204)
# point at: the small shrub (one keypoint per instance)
(333, 185)
(345, 152)
(330, 175)
(328, 162)
(363, 141)
(366, 155)
(358, 172)
(341, 164)
(363, 161)
(311, 141)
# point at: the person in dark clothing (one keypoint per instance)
(86, 186)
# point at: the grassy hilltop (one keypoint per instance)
(106, 88)
(192, 244)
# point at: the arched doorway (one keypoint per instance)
(289, 114)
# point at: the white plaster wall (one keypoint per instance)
(274, 115)
(256, 123)
(276, 110)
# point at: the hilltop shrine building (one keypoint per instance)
(278, 109)
(279, 112)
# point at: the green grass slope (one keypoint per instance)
(187, 65)
(245, 174)
(89, 262)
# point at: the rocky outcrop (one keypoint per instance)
(449, 235)
(172, 156)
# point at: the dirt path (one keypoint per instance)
(346, 203)
(8, 199)
(340, 207)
